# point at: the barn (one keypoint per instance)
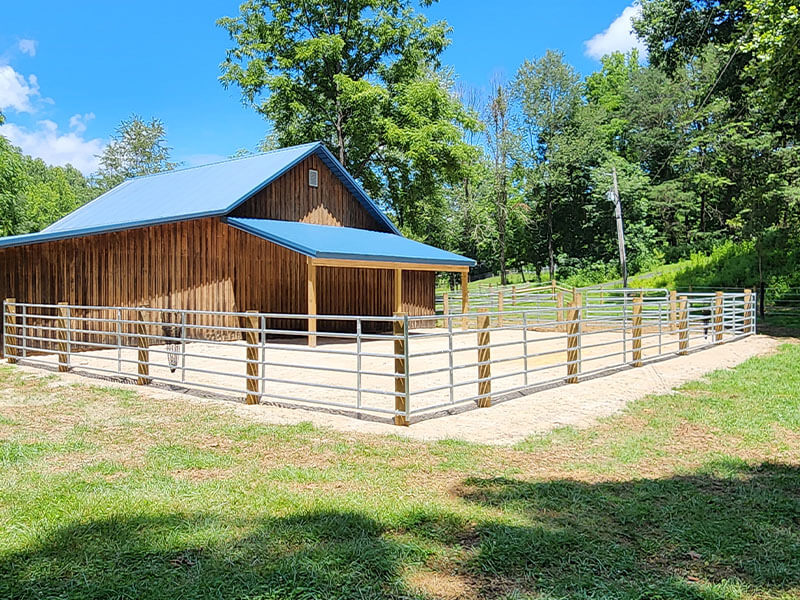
(287, 231)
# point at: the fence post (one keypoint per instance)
(251, 340)
(445, 304)
(400, 367)
(144, 354)
(484, 361)
(553, 287)
(748, 298)
(573, 339)
(673, 295)
(718, 317)
(637, 331)
(10, 339)
(513, 295)
(560, 307)
(683, 326)
(63, 336)
(500, 308)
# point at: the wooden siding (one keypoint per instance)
(197, 265)
(290, 198)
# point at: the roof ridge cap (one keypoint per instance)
(225, 160)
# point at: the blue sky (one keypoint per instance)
(70, 71)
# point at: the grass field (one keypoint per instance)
(106, 494)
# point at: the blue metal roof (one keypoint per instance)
(326, 241)
(205, 191)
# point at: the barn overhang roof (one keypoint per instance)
(329, 245)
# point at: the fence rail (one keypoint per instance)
(394, 366)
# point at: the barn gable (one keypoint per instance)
(292, 197)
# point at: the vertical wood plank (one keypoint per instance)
(747, 310)
(573, 339)
(11, 330)
(400, 379)
(143, 354)
(464, 298)
(683, 325)
(500, 308)
(252, 357)
(718, 316)
(637, 331)
(63, 336)
(673, 304)
(484, 361)
(398, 291)
(312, 302)
(560, 307)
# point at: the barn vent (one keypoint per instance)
(313, 178)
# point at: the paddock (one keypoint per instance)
(401, 368)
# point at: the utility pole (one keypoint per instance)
(614, 197)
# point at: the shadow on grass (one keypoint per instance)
(729, 531)
(311, 555)
(732, 530)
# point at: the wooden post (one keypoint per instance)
(746, 309)
(513, 295)
(673, 302)
(398, 290)
(500, 308)
(464, 298)
(553, 287)
(573, 339)
(144, 353)
(718, 317)
(445, 304)
(400, 380)
(63, 336)
(11, 330)
(312, 303)
(560, 308)
(484, 361)
(637, 331)
(683, 326)
(252, 357)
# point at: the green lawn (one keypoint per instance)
(106, 494)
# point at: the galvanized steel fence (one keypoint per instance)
(380, 365)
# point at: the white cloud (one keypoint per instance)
(79, 122)
(619, 37)
(28, 47)
(15, 91)
(55, 148)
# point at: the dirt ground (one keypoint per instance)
(511, 419)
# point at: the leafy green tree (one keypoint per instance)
(363, 76)
(548, 93)
(12, 184)
(138, 147)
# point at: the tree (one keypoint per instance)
(137, 148)
(548, 93)
(499, 144)
(363, 77)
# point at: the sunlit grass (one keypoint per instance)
(693, 494)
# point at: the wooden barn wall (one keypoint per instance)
(290, 198)
(196, 265)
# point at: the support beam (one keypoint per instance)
(464, 297)
(11, 330)
(312, 303)
(398, 290)
(400, 331)
(252, 335)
